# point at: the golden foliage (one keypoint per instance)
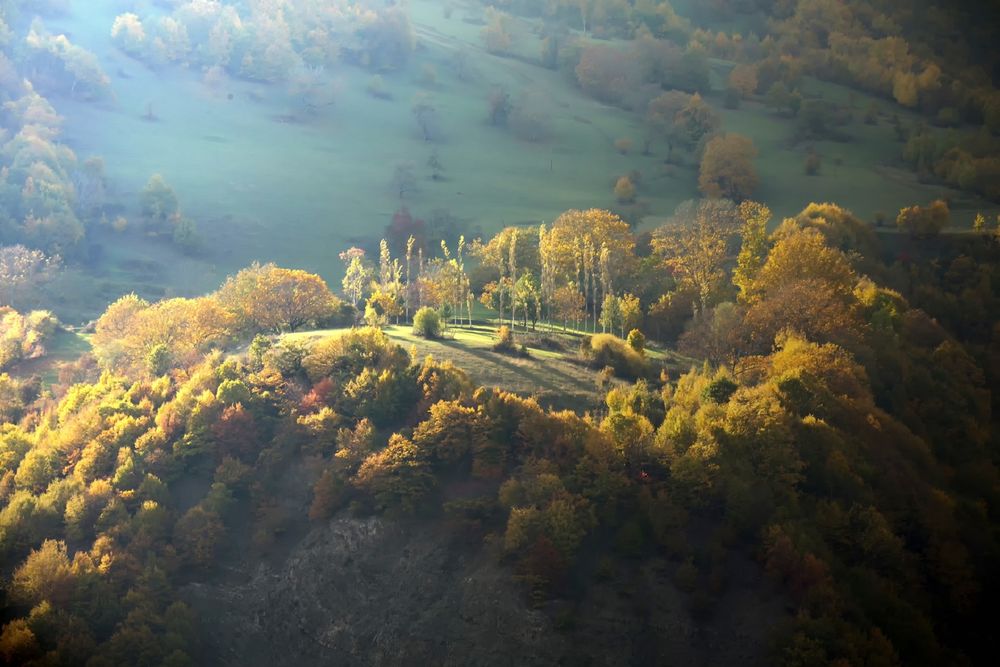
(727, 168)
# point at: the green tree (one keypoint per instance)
(158, 202)
(611, 314)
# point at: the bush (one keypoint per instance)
(505, 340)
(637, 341)
(427, 323)
(505, 343)
(607, 350)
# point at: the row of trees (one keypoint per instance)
(584, 270)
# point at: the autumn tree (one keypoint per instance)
(427, 323)
(806, 286)
(743, 79)
(269, 298)
(630, 312)
(568, 304)
(608, 74)
(22, 271)
(753, 245)
(693, 245)
(727, 168)
(358, 274)
(927, 220)
(683, 120)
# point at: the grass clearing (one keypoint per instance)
(555, 378)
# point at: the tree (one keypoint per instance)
(779, 98)
(499, 105)
(568, 304)
(608, 74)
(630, 312)
(158, 202)
(357, 275)
(682, 119)
(624, 190)
(527, 299)
(610, 313)
(921, 221)
(753, 245)
(427, 323)
(22, 271)
(45, 575)
(727, 168)
(695, 121)
(693, 245)
(269, 298)
(801, 254)
(495, 35)
(198, 535)
(18, 644)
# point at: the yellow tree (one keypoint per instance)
(693, 245)
(727, 168)
(269, 298)
(753, 246)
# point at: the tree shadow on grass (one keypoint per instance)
(491, 357)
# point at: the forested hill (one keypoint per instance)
(823, 484)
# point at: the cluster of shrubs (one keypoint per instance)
(506, 344)
(607, 350)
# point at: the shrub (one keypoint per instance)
(427, 323)
(506, 344)
(637, 341)
(607, 350)
(623, 145)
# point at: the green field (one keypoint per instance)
(265, 182)
(556, 378)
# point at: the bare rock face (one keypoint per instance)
(372, 592)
